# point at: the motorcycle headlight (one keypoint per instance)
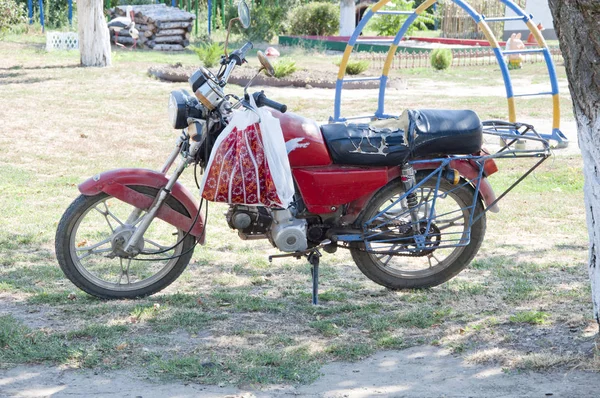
(178, 110)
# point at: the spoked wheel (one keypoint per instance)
(91, 237)
(423, 262)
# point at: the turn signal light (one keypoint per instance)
(452, 175)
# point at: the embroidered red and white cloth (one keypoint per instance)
(249, 164)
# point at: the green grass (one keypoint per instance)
(389, 342)
(423, 318)
(531, 317)
(242, 301)
(167, 320)
(78, 348)
(350, 351)
(328, 327)
(254, 366)
(190, 368)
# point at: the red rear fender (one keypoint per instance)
(468, 170)
(117, 183)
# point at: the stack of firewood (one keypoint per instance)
(161, 28)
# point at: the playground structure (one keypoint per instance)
(500, 54)
(41, 8)
(456, 24)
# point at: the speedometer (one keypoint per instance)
(206, 87)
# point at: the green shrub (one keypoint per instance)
(320, 19)
(56, 12)
(389, 25)
(284, 67)
(266, 22)
(357, 67)
(11, 14)
(209, 53)
(441, 58)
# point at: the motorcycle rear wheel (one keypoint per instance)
(86, 236)
(403, 272)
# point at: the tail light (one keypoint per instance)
(489, 166)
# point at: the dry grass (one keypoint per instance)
(232, 316)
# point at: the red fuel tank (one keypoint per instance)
(303, 140)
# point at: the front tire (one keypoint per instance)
(403, 272)
(85, 242)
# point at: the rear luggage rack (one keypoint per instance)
(514, 137)
(515, 141)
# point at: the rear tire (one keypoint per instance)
(94, 278)
(398, 276)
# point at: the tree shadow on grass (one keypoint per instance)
(29, 80)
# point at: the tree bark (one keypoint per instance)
(346, 17)
(578, 29)
(94, 38)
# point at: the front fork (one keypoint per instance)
(132, 246)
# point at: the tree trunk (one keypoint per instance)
(94, 39)
(346, 17)
(578, 30)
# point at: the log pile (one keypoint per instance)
(161, 28)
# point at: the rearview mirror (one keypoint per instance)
(244, 14)
(243, 17)
(265, 63)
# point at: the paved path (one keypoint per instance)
(416, 372)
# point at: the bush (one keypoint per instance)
(56, 12)
(441, 58)
(284, 67)
(266, 22)
(11, 14)
(209, 53)
(357, 67)
(389, 25)
(320, 19)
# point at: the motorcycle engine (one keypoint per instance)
(288, 233)
(251, 222)
(285, 231)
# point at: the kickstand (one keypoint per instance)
(312, 255)
(313, 259)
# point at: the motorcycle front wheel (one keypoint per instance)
(430, 267)
(91, 234)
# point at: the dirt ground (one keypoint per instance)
(416, 372)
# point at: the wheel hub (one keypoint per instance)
(119, 241)
(432, 241)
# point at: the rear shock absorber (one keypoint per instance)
(412, 201)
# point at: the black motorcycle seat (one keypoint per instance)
(362, 145)
(419, 133)
(431, 132)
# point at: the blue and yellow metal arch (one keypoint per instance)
(482, 23)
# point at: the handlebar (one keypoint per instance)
(239, 56)
(261, 100)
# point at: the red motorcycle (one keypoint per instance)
(407, 196)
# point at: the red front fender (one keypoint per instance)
(116, 183)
